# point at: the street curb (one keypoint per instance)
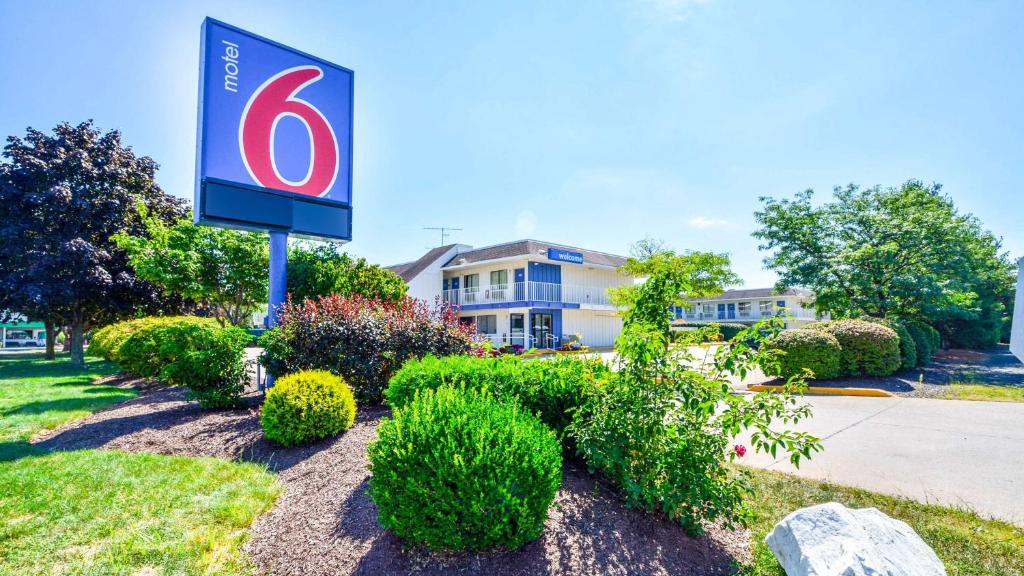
(826, 390)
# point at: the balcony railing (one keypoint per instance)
(749, 315)
(522, 291)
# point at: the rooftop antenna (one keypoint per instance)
(445, 232)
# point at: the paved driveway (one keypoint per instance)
(952, 452)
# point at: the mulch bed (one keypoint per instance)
(325, 522)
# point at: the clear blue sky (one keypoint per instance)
(587, 123)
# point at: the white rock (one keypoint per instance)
(833, 540)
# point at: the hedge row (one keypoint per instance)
(180, 351)
(727, 330)
(855, 348)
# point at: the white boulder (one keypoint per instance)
(833, 540)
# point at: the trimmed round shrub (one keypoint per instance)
(307, 406)
(926, 340)
(460, 470)
(550, 388)
(868, 348)
(815, 350)
(908, 349)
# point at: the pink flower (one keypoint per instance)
(740, 450)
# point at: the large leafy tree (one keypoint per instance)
(322, 270)
(62, 196)
(902, 251)
(223, 271)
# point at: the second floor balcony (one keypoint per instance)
(527, 292)
(747, 315)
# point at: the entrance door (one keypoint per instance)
(517, 330)
(455, 291)
(519, 280)
(541, 328)
(721, 311)
(732, 310)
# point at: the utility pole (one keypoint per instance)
(445, 232)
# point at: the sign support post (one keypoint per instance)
(278, 281)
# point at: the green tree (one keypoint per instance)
(224, 271)
(322, 270)
(903, 251)
(670, 279)
(62, 196)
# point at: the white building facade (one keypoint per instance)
(752, 304)
(1017, 328)
(528, 293)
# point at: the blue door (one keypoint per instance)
(455, 290)
(732, 311)
(520, 283)
(721, 311)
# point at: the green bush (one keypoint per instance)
(728, 330)
(193, 352)
(461, 470)
(815, 350)
(908, 349)
(926, 340)
(106, 342)
(306, 406)
(551, 388)
(868, 348)
(697, 335)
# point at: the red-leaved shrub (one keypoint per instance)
(362, 340)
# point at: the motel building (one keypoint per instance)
(749, 305)
(527, 293)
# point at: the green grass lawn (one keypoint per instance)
(38, 394)
(985, 392)
(107, 512)
(967, 544)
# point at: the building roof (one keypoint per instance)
(744, 293)
(531, 248)
(409, 270)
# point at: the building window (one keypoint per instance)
(744, 309)
(466, 320)
(472, 286)
(499, 278)
(487, 324)
(765, 307)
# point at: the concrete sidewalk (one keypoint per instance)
(951, 452)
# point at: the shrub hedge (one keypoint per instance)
(551, 388)
(815, 350)
(364, 341)
(306, 406)
(106, 342)
(460, 470)
(868, 348)
(926, 340)
(186, 351)
(728, 330)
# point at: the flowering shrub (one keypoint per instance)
(868, 349)
(307, 406)
(813, 350)
(458, 469)
(363, 340)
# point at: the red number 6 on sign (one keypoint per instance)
(271, 102)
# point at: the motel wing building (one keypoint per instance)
(528, 293)
(752, 304)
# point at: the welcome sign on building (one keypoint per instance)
(275, 137)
